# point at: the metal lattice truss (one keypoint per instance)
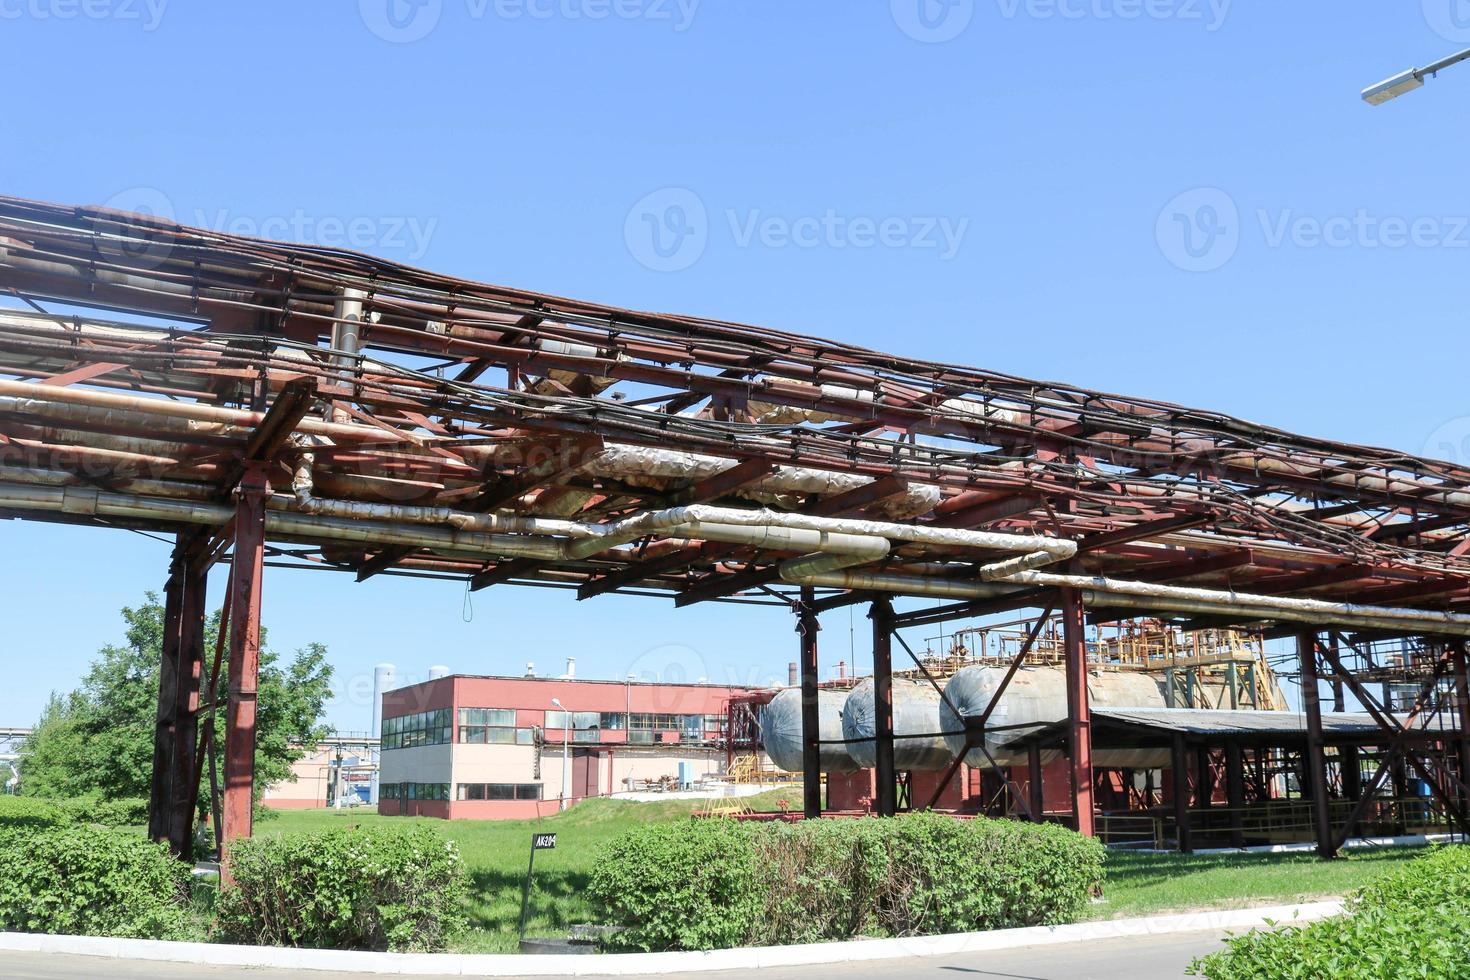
(414, 423)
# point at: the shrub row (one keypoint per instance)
(1412, 922)
(383, 888)
(709, 884)
(36, 811)
(89, 881)
(399, 889)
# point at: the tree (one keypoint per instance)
(98, 740)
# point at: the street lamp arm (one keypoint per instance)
(1392, 88)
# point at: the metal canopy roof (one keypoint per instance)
(1157, 726)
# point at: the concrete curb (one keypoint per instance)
(649, 964)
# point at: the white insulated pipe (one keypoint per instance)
(1100, 591)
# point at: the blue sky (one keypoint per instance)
(1173, 198)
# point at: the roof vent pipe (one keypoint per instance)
(437, 671)
(571, 668)
(793, 674)
(530, 668)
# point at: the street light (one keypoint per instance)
(566, 752)
(1392, 88)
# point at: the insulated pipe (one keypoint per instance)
(190, 410)
(1279, 606)
(697, 516)
(1110, 594)
(76, 500)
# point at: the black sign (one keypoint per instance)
(543, 842)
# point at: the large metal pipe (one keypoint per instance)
(1146, 596)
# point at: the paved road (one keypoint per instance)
(1138, 958)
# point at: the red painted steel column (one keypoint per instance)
(811, 724)
(244, 655)
(887, 779)
(1074, 643)
(1316, 760)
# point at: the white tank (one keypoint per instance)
(1037, 696)
(918, 742)
(781, 731)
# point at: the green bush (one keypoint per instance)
(28, 811)
(1412, 922)
(128, 811)
(683, 885)
(91, 881)
(708, 884)
(398, 888)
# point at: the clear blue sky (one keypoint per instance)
(805, 161)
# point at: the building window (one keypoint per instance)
(495, 726)
(414, 791)
(579, 720)
(499, 791)
(424, 728)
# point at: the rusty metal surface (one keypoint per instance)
(494, 400)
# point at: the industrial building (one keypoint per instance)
(489, 748)
(268, 403)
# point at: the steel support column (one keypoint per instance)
(245, 583)
(174, 791)
(811, 720)
(886, 794)
(1462, 691)
(1235, 791)
(1315, 759)
(1079, 726)
(1180, 772)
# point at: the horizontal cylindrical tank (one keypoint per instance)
(918, 740)
(781, 731)
(1037, 696)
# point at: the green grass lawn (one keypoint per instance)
(496, 852)
(1159, 884)
(1137, 884)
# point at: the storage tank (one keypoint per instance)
(915, 713)
(781, 731)
(1037, 696)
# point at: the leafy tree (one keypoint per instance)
(98, 740)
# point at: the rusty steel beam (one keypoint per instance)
(244, 663)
